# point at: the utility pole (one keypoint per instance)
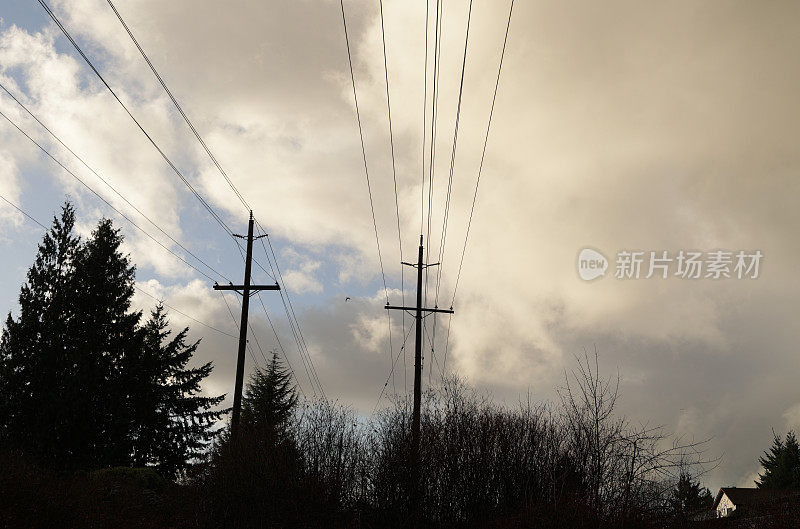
(246, 290)
(417, 312)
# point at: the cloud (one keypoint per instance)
(792, 416)
(10, 186)
(299, 276)
(629, 126)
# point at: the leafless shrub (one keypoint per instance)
(626, 470)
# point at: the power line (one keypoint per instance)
(450, 177)
(306, 359)
(208, 151)
(280, 345)
(364, 155)
(163, 302)
(434, 116)
(80, 159)
(483, 153)
(249, 349)
(434, 119)
(183, 115)
(385, 384)
(233, 318)
(424, 123)
(194, 130)
(255, 337)
(363, 150)
(394, 176)
(453, 153)
(480, 169)
(18, 209)
(205, 204)
(178, 106)
(160, 300)
(103, 199)
(293, 321)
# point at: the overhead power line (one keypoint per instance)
(391, 371)
(293, 323)
(366, 169)
(280, 345)
(98, 195)
(178, 106)
(394, 170)
(235, 324)
(80, 159)
(453, 153)
(302, 353)
(480, 170)
(424, 124)
(289, 308)
(446, 215)
(363, 150)
(483, 152)
(437, 43)
(160, 300)
(174, 168)
(25, 214)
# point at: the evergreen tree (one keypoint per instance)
(270, 398)
(82, 383)
(174, 423)
(688, 496)
(109, 336)
(263, 464)
(39, 403)
(781, 464)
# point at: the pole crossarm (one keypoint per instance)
(246, 290)
(253, 288)
(419, 265)
(423, 309)
(417, 312)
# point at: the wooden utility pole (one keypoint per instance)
(417, 311)
(246, 290)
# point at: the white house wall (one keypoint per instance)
(726, 506)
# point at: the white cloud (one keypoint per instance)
(792, 416)
(611, 129)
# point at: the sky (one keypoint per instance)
(621, 126)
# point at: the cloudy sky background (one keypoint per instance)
(621, 125)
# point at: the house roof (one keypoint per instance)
(746, 496)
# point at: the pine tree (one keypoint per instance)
(82, 383)
(688, 496)
(270, 398)
(781, 464)
(174, 423)
(109, 336)
(262, 465)
(39, 401)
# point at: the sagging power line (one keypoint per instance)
(291, 316)
(137, 287)
(293, 321)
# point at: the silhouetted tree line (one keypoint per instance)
(574, 464)
(102, 424)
